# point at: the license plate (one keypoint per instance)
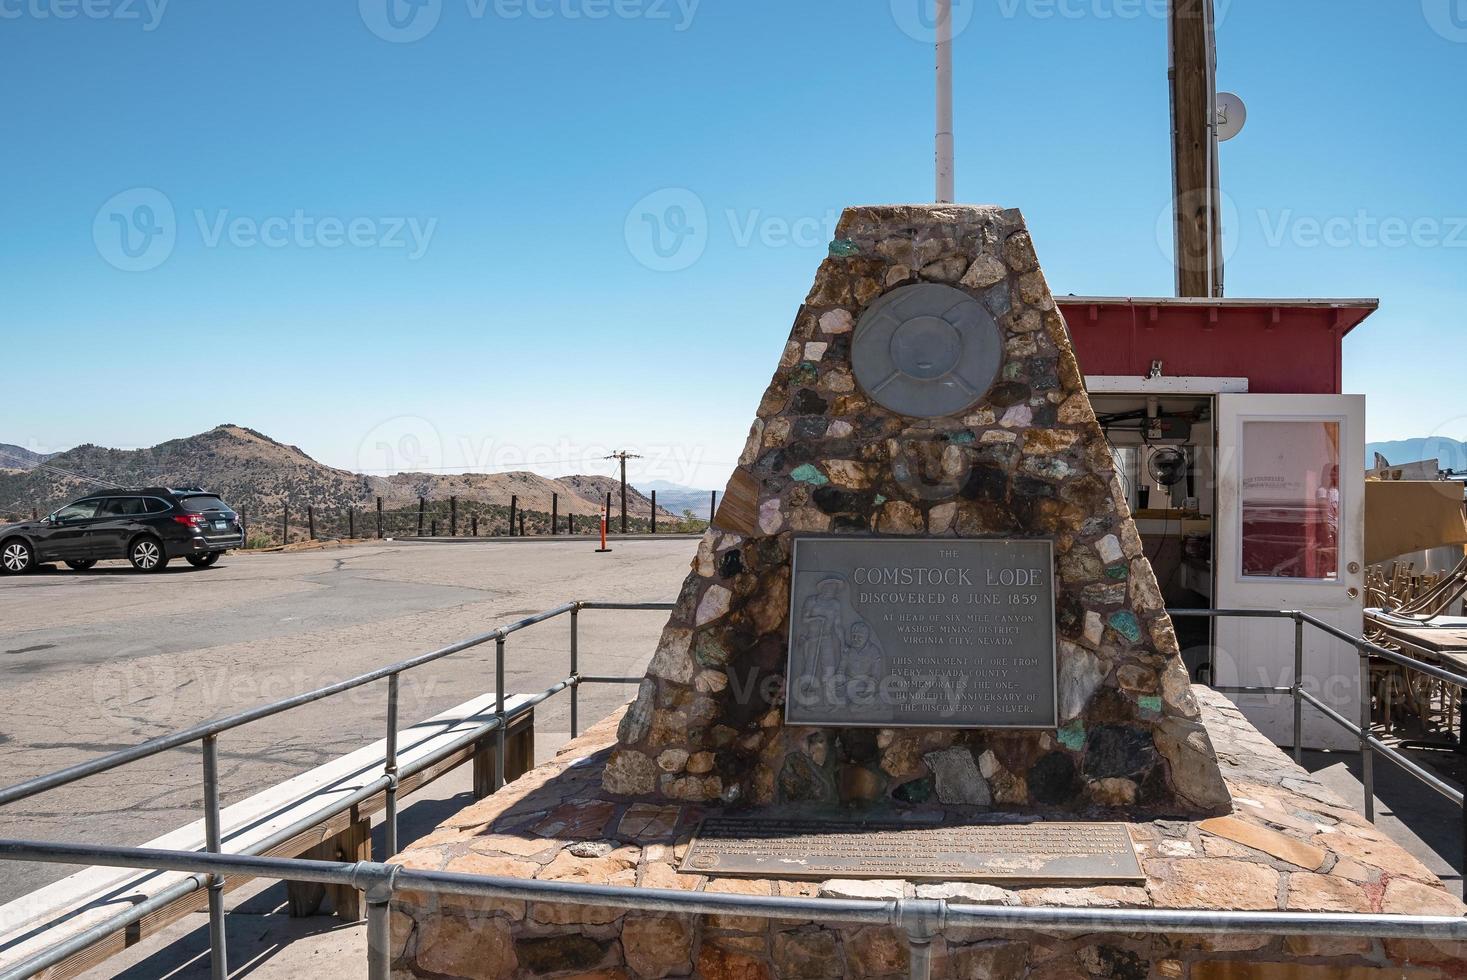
(221, 525)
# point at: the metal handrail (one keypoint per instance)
(1370, 745)
(388, 783)
(922, 919)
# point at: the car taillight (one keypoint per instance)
(192, 520)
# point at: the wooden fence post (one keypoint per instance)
(654, 511)
(285, 526)
(379, 518)
(554, 513)
(514, 502)
(453, 517)
(311, 520)
(422, 506)
(351, 522)
(712, 506)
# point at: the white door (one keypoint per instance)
(1290, 534)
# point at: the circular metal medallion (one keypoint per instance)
(926, 351)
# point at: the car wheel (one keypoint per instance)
(147, 555)
(203, 561)
(17, 557)
(82, 566)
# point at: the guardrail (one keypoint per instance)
(922, 919)
(1370, 745)
(208, 734)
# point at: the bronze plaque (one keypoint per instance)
(922, 632)
(1031, 852)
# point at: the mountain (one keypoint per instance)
(1451, 453)
(594, 489)
(678, 498)
(20, 458)
(260, 477)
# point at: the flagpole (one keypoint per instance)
(945, 191)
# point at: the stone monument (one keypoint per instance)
(920, 654)
(924, 584)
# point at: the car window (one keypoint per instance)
(156, 506)
(122, 507)
(78, 511)
(202, 504)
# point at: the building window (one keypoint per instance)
(1291, 500)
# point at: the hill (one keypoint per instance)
(260, 477)
(593, 490)
(1451, 453)
(678, 498)
(20, 458)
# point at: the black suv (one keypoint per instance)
(147, 526)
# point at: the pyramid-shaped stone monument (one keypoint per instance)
(924, 585)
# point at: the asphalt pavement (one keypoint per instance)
(92, 662)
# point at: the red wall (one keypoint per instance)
(1280, 349)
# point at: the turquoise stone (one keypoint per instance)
(962, 438)
(880, 499)
(1127, 625)
(809, 474)
(844, 248)
(1072, 736)
(1150, 703)
(1117, 573)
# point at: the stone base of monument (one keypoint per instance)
(1290, 845)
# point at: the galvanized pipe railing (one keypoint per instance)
(1370, 744)
(207, 733)
(922, 919)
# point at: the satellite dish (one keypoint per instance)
(1232, 114)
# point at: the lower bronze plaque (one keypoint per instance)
(1033, 852)
(922, 632)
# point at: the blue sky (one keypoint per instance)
(403, 251)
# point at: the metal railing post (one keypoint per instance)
(923, 920)
(377, 884)
(575, 671)
(218, 951)
(390, 767)
(1298, 687)
(499, 735)
(379, 941)
(1367, 754)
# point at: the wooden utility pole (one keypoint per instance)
(1195, 191)
(623, 456)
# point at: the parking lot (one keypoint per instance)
(96, 661)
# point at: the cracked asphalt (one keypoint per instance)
(92, 662)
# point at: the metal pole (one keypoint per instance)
(1298, 687)
(311, 521)
(218, 952)
(285, 526)
(499, 711)
(453, 517)
(712, 506)
(654, 511)
(474, 525)
(1367, 754)
(379, 518)
(514, 502)
(554, 513)
(945, 182)
(351, 522)
(422, 506)
(575, 668)
(390, 768)
(379, 938)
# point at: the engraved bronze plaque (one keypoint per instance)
(1032, 852)
(922, 632)
(927, 351)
